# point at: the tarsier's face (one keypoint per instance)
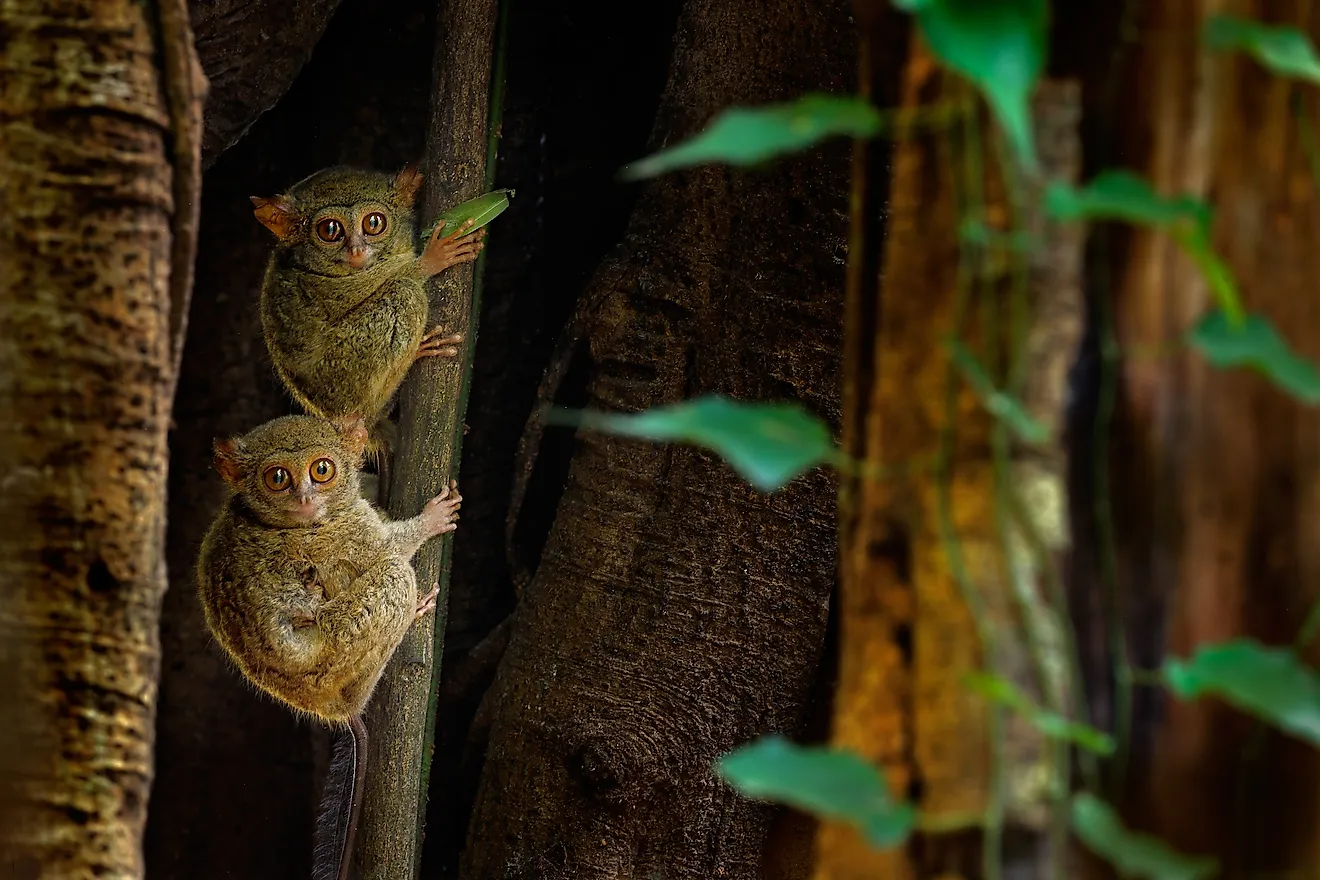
(353, 236)
(341, 221)
(299, 487)
(295, 471)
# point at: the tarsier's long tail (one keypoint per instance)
(341, 802)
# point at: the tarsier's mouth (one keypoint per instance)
(360, 260)
(307, 510)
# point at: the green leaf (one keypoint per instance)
(750, 135)
(1131, 853)
(1122, 195)
(482, 209)
(1053, 725)
(1001, 405)
(768, 444)
(1257, 345)
(1270, 683)
(1285, 50)
(997, 44)
(826, 782)
(1118, 194)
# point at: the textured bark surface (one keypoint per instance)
(560, 153)
(85, 361)
(251, 50)
(237, 775)
(675, 612)
(432, 403)
(1217, 473)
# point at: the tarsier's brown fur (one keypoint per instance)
(310, 589)
(343, 303)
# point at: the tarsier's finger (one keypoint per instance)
(437, 352)
(460, 231)
(435, 233)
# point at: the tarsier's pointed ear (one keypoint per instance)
(227, 462)
(407, 182)
(353, 428)
(277, 214)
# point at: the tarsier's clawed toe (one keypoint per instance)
(426, 604)
(436, 345)
(442, 510)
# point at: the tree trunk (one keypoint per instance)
(252, 50)
(560, 153)
(1215, 472)
(931, 549)
(97, 137)
(677, 613)
(432, 403)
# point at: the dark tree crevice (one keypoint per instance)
(676, 612)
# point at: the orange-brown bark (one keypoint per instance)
(88, 113)
(908, 635)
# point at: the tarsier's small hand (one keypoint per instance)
(441, 513)
(426, 604)
(435, 345)
(441, 253)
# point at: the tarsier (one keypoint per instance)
(343, 304)
(309, 589)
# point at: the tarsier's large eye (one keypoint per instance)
(322, 470)
(330, 230)
(374, 223)
(277, 479)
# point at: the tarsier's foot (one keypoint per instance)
(441, 253)
(441, 512)
(426, 604)
(435, 345)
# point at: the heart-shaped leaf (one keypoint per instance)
(1053, 725)
(997, 44)
(768, 444)
(1270, 683)
(1131, 853)
(751, 135)
(1000, 405)
(825, 782)
(1254, 343)
(1285, 50)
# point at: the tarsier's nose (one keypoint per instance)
(358, 256)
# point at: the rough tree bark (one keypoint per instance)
(559, 152)
(908, 635)
(677, 613)
(1216, 472)
(100, 107)
(432, 404)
